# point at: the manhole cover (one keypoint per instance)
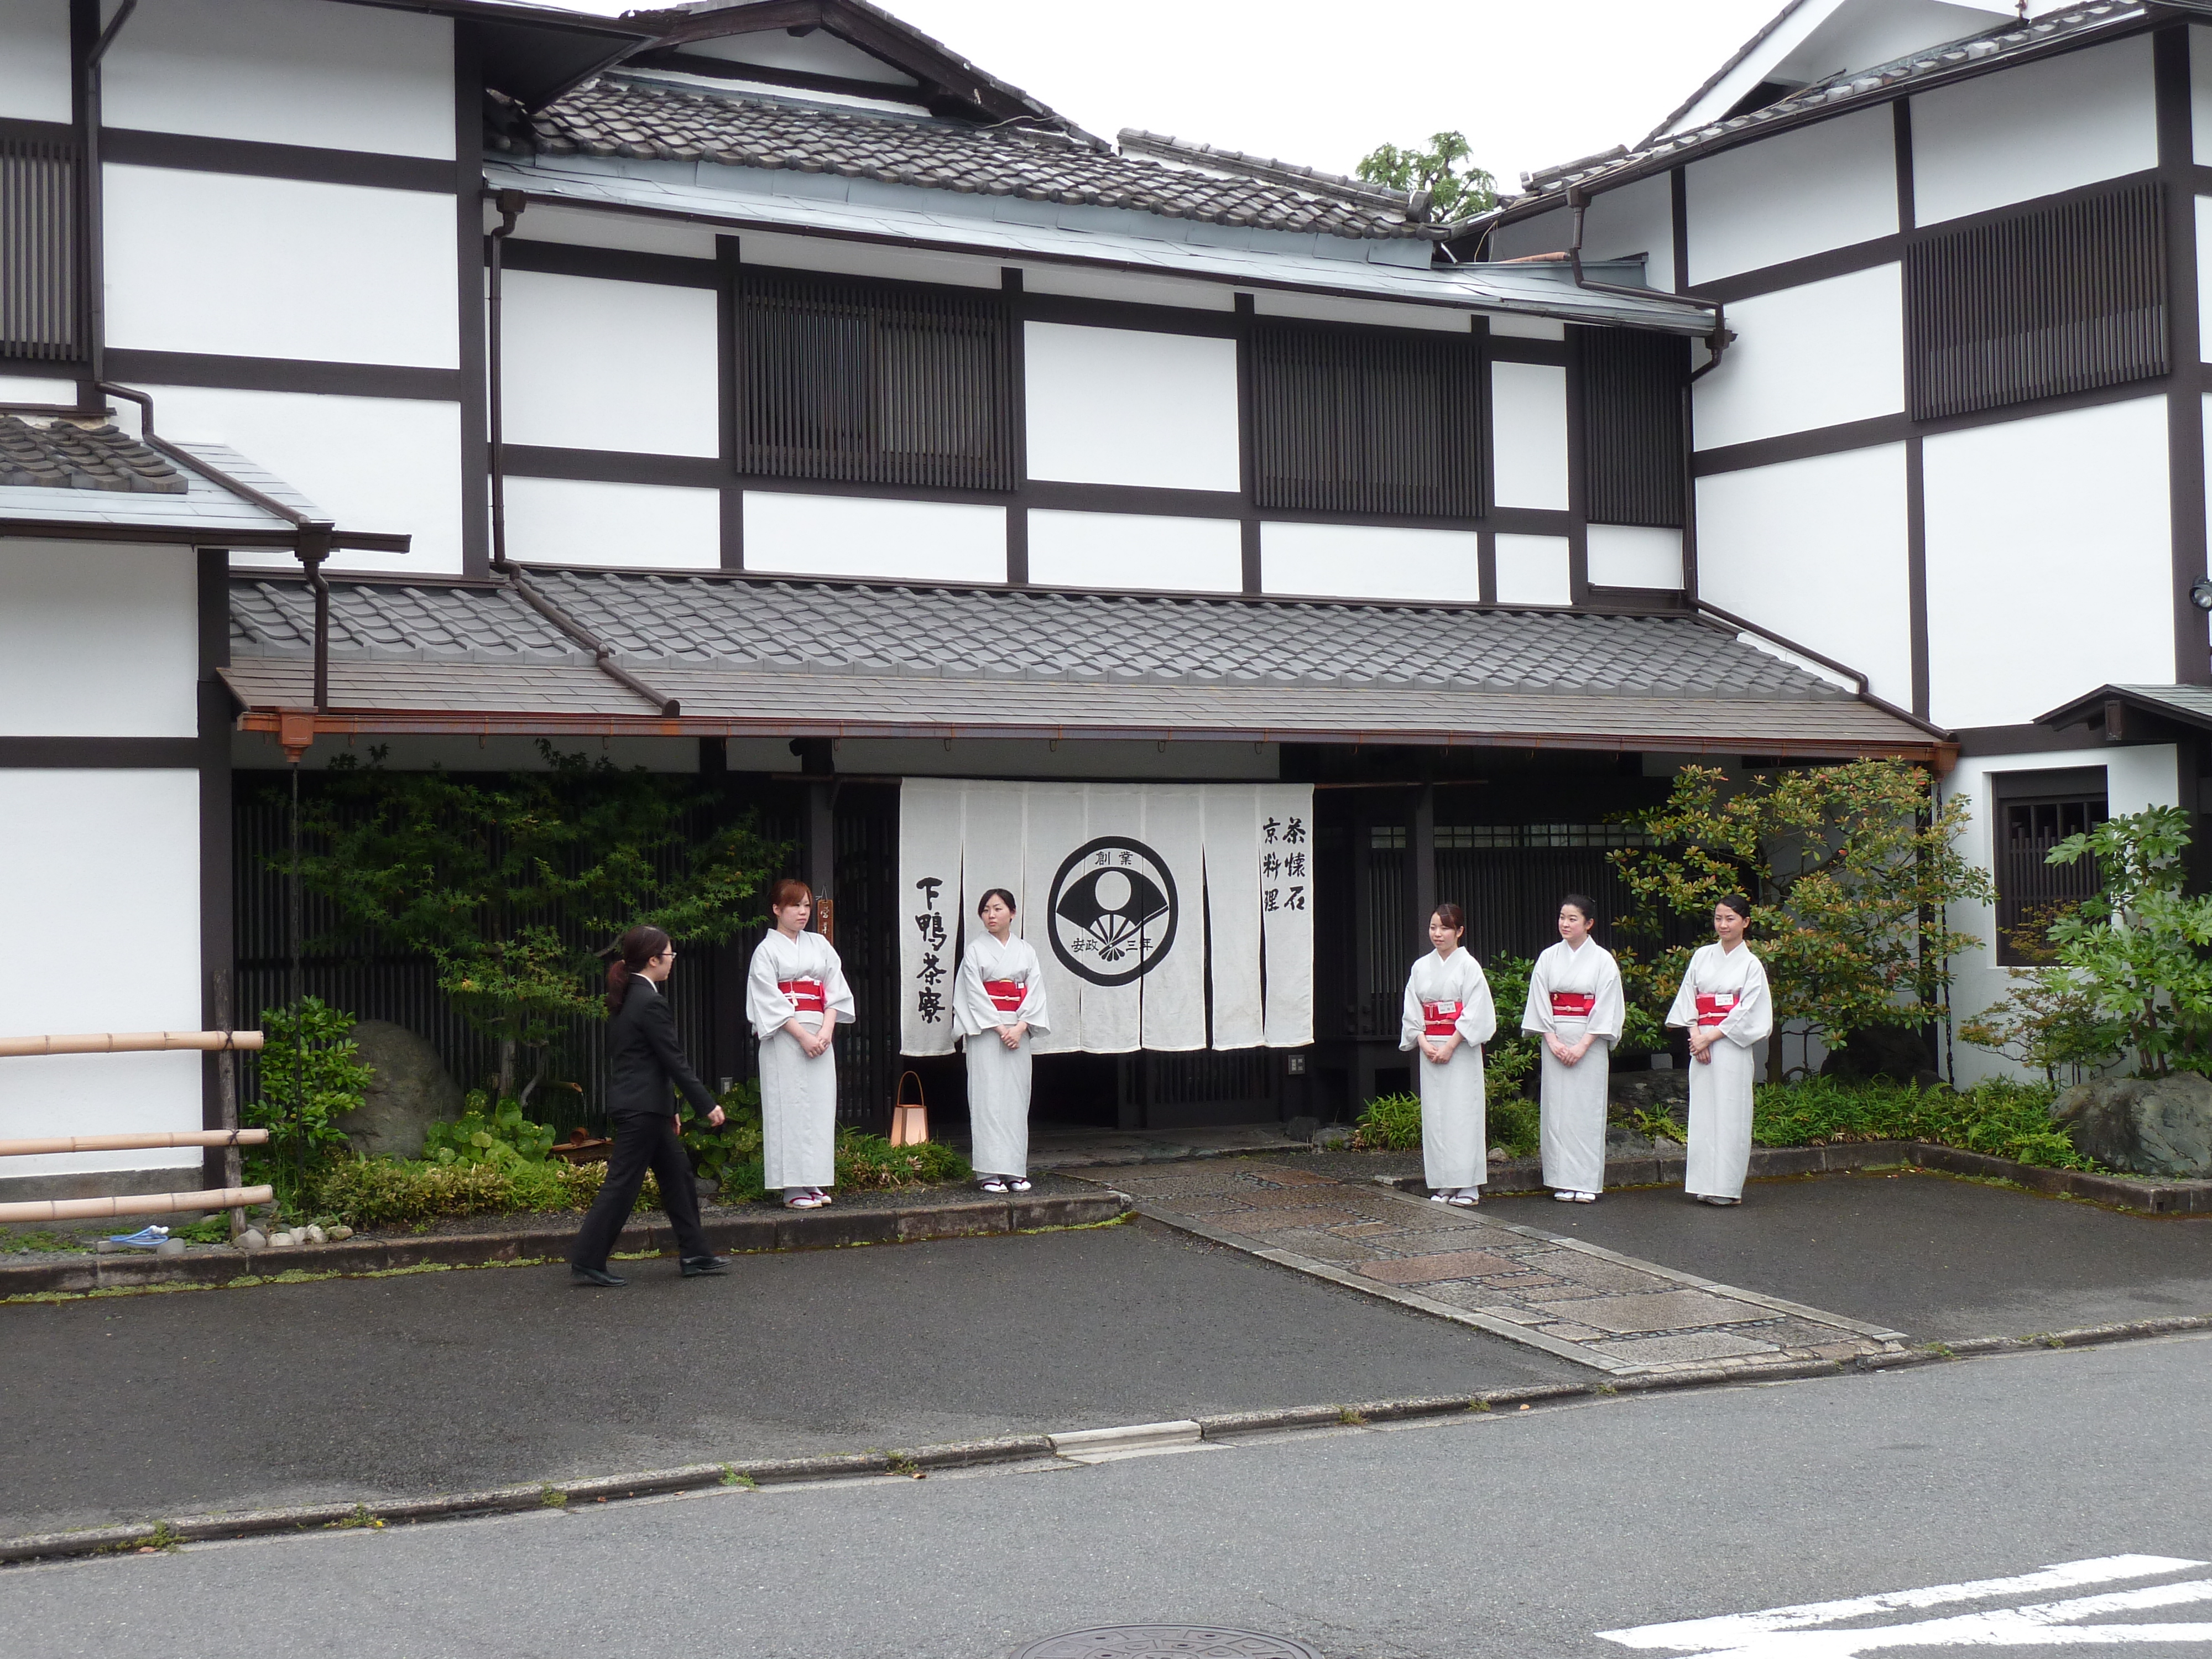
(1166, 1642)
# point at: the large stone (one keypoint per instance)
(2153, 1125)
(411, 1091)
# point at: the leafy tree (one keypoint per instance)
(516, 886)
(311, 1073)
(1457, 189)
(1850, 872)
(2140, 958)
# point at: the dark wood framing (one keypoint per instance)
(442, 386)
(105, 754)
(2185, 405)
(218, 955)
(465, 179)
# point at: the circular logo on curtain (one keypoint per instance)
(1112, 910)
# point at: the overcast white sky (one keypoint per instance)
(1531, 82)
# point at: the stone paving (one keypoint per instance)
(1596, 1307)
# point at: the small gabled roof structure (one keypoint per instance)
(2111, 708)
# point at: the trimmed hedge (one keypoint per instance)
(382, 1191)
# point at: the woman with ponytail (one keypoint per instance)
(648, 1067)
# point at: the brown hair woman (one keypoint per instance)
(1448, 1017)
(794, 996)
(998, 1002)
(1574, 1002)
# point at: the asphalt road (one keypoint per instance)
(134, 1407)
(1934, 1257)
(1514, 1536)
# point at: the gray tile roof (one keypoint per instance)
(196, 507)
(56, 454)
(1851, 89)
(638, 117)
(655, 622)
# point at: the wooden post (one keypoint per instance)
(226, 1084)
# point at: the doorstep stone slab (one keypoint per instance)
(1611, 1312)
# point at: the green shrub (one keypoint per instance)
(310, 1074)
(1390, 1123)
(1515, 1125)
(500, 1138)
(1999, 1117)
(723, 1155)
(871, 1161)
(383, 1192)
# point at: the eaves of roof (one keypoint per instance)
(533, 53)
(2050, 36)
(1049, 232)
(2190, 705)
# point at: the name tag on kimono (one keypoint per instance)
(1572, 1005)
(1714, 1006)
(1006, 994)
(1441, 1018)
(805, 994)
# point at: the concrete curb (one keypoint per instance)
(2138, 1196)
(740, 1234)
(1078, 1445)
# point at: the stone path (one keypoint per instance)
(1593, 1306)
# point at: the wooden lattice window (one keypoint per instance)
(2054, 300)
(41, 307)
(867, 383)
(1633, 448)
(1349, 421)
(2036, 810)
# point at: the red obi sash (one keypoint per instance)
(1441, 1018)
(1714, 1006)
(805, 994)
(1006, 994)
(1572, 1005)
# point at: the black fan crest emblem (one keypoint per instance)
(1113, 910)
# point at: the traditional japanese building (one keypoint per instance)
(762, 391)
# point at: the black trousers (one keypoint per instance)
(642, 1143)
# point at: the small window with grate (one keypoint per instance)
(865, 382)
(1632, 447)
(2036, 810)
(1359, 421)
(41, 309)
(2054, 300)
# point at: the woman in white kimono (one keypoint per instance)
(1723, 1001)
(794, 996)
(998, 1002)
(1574, 1001)
(1448, 1017)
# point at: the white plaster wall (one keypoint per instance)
(1808, 357)
(2204, 275)
(2050, 563)
(647, 527)
(1122, 406)
(1075, 282)
(1802, 191)
(1816, 550)
(98, 641)
(375, 463)
(1529, 436)
(1128, 549)
(862, 536)
(1367, 562)
(109, 861)
(2200, 95)
(1374, 314)
(2034, 130)
(628, 232)
(594, 364)
(21, 389)
(2137, 778)
(862, 259)
(1544, 232)
(1634, 555)
(235, 266)
(1533, 570)
(34, 66)
(1636, 218)
(340, 77)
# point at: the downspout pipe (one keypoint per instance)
(510, 203)
(92, 237)
(1716, 342)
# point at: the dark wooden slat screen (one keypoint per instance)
(41, 317)
(1346, 422)
(2054, 300)
(856, 383)
(1632, 425)
(2031, 890)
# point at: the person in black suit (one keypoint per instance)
(647, 1063)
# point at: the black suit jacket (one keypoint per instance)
(646, 1060)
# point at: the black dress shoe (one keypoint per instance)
(704, 1267)
(596, 1276)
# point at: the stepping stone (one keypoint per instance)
(1429, 1270)
(1692, 1345)
(1668, 1310)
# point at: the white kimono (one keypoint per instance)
(1727, 989)
(998, 985)
(1443, 996)
(802, 978)
(1572, 994)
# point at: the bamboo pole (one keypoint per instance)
(132, 1143)
(130, 1042)
(84, 1209)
